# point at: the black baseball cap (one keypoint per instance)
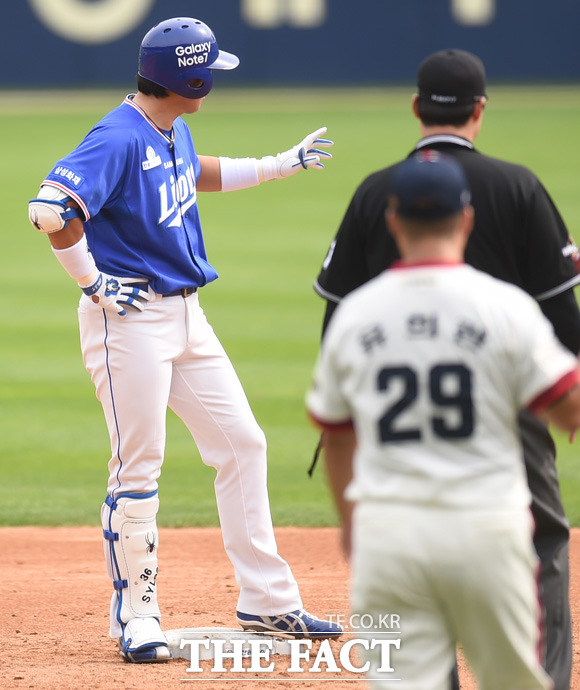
(429, 186)
(451, 77)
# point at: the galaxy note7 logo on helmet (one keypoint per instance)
(193, 54)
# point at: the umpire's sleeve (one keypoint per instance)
(562, 311)
(344, 267)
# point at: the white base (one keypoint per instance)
(280, 645)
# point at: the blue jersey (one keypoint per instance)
(139, 198)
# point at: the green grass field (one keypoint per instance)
(267, 243)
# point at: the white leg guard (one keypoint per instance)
(130, 543)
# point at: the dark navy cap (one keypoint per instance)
(451, 77)
(430, 185)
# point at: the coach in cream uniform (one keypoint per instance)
(418, 385)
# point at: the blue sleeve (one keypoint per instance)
(92, 174)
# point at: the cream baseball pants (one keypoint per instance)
(450, 577)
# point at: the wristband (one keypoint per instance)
(238, 173)
(91, 289)
(268, 168)
(77, 260)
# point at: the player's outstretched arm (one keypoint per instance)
(241, 173)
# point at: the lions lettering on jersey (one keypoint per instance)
(177, 197)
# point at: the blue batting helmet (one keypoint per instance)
(180, 54)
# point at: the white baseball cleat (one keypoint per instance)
(149, 655)
(144, 642)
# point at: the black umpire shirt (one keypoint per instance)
(518, 236)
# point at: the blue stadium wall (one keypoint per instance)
(85, 43)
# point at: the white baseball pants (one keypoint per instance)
(169, 355)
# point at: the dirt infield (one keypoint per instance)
(54, 610)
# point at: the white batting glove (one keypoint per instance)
(301, 156)
(114, 294)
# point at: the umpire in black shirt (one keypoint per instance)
(520, 237)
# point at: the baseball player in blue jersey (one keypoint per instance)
(122, 218)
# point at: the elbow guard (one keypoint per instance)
(49, 212)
